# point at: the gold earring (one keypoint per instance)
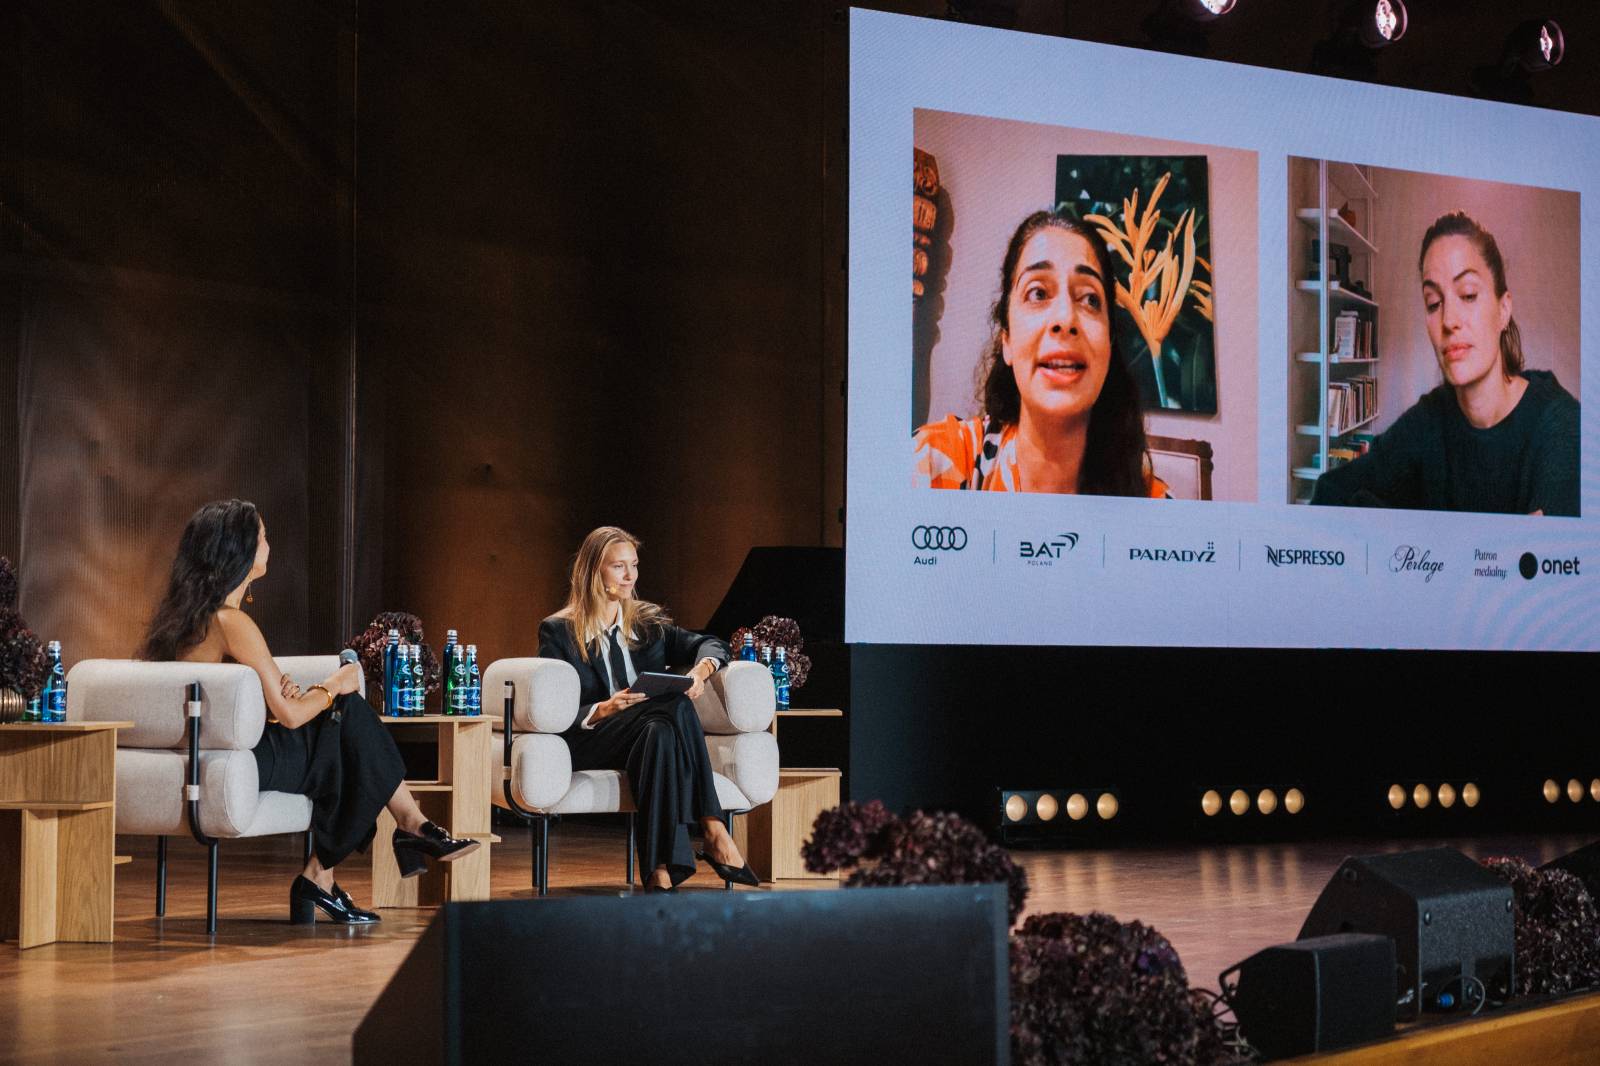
(247, 597)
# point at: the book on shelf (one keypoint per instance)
(1351, 402)
(1354, 333)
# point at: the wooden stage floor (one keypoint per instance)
(267, 992)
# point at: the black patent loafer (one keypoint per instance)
(306, 899)
(433, 843)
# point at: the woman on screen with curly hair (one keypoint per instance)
(1493, 436)
(1060, 407)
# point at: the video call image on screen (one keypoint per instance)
(1209, 355)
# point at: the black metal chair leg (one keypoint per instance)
(544, 856)
(727, 820)
(632, 841)
(161, 877)
(311, 845)
(211, 892)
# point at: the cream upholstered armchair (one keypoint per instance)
(537, 782)
(186, 766)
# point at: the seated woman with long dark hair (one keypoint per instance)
(325, 742)
(1493, 436)
(1060, 407)
(610, 637)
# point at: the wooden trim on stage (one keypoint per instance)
(1559, 1034)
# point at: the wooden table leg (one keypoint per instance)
(85, 879)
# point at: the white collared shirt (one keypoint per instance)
(627, 664)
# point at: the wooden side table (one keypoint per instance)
(58, 821)
(774, 832)
(456, 798)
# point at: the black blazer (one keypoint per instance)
(667, 646)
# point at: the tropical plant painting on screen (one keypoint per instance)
(1154, 214)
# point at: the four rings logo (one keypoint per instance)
(1045, 552)
(939, 538)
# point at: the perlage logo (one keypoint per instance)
(1409, 559)
(1303, 557)
(1531, 566)
(1175, 555)
(1046, 551)
(939, 538)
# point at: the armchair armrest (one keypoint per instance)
(152, 696)
(546, 693)
(307, 670)
(738, 699)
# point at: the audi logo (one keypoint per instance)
(939, 538)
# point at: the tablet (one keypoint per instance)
(651, 684)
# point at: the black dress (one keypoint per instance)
(659, 742)
(346, 762)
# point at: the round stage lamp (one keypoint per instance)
(1266, 801)
(1077, 806)
(1552, 791)
(1106, 806)
(1047, 807)
(1294, 801)
(1537, 45)
(1422, 796)
(1211, 802)
(1575, 790)
(1016, 808)
(1594, 790)
(1384, 22)
(1397, 797)
(1470, 794)
(1239, 802)
(1447, 795)
(1206, 10)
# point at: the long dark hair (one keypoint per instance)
(215, 555)
(1461, 224)
(1115, 454)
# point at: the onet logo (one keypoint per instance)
(1049, 548)
(939, 538)
(1531, 566)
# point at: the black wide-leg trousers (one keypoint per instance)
(662, 746)
(346, 761)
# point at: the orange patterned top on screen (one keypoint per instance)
(971, 454)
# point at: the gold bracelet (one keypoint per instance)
(324, 691)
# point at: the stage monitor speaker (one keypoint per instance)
(1314, 995)
(869, 975)
(1584, 864)
(1450, 919)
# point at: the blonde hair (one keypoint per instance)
(587, 609)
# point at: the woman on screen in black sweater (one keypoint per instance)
(610, 637)
(325, 742)
(1493, 437)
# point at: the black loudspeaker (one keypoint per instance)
(1584, 864)
(1450, 919)
(869, 975)
(1314, 995)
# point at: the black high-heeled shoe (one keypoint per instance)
(305, 899)
(411, 850)
(739, 875)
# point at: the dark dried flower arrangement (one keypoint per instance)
(1557, 929)
(1084, 989)
(1090, 989)
(925, 849)
(369, 643)
(779, 632)
(23, 663)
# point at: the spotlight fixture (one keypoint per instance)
(1180, 25)
(1531, 48)
(1364, 28)
(1382, 22)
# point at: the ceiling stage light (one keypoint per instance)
(1047, 807)
(1206, 10)
(1421, 796)
(1266, 801)
(1447, 795)
(1575, 790)
(1077, 807)
(1470, 794)
(1239, 802)
(1294, 801)
(1211, 802)
(1383, 23)
(1397, 797)
(1106, 806)
(1552, 791)
(1016, 808)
